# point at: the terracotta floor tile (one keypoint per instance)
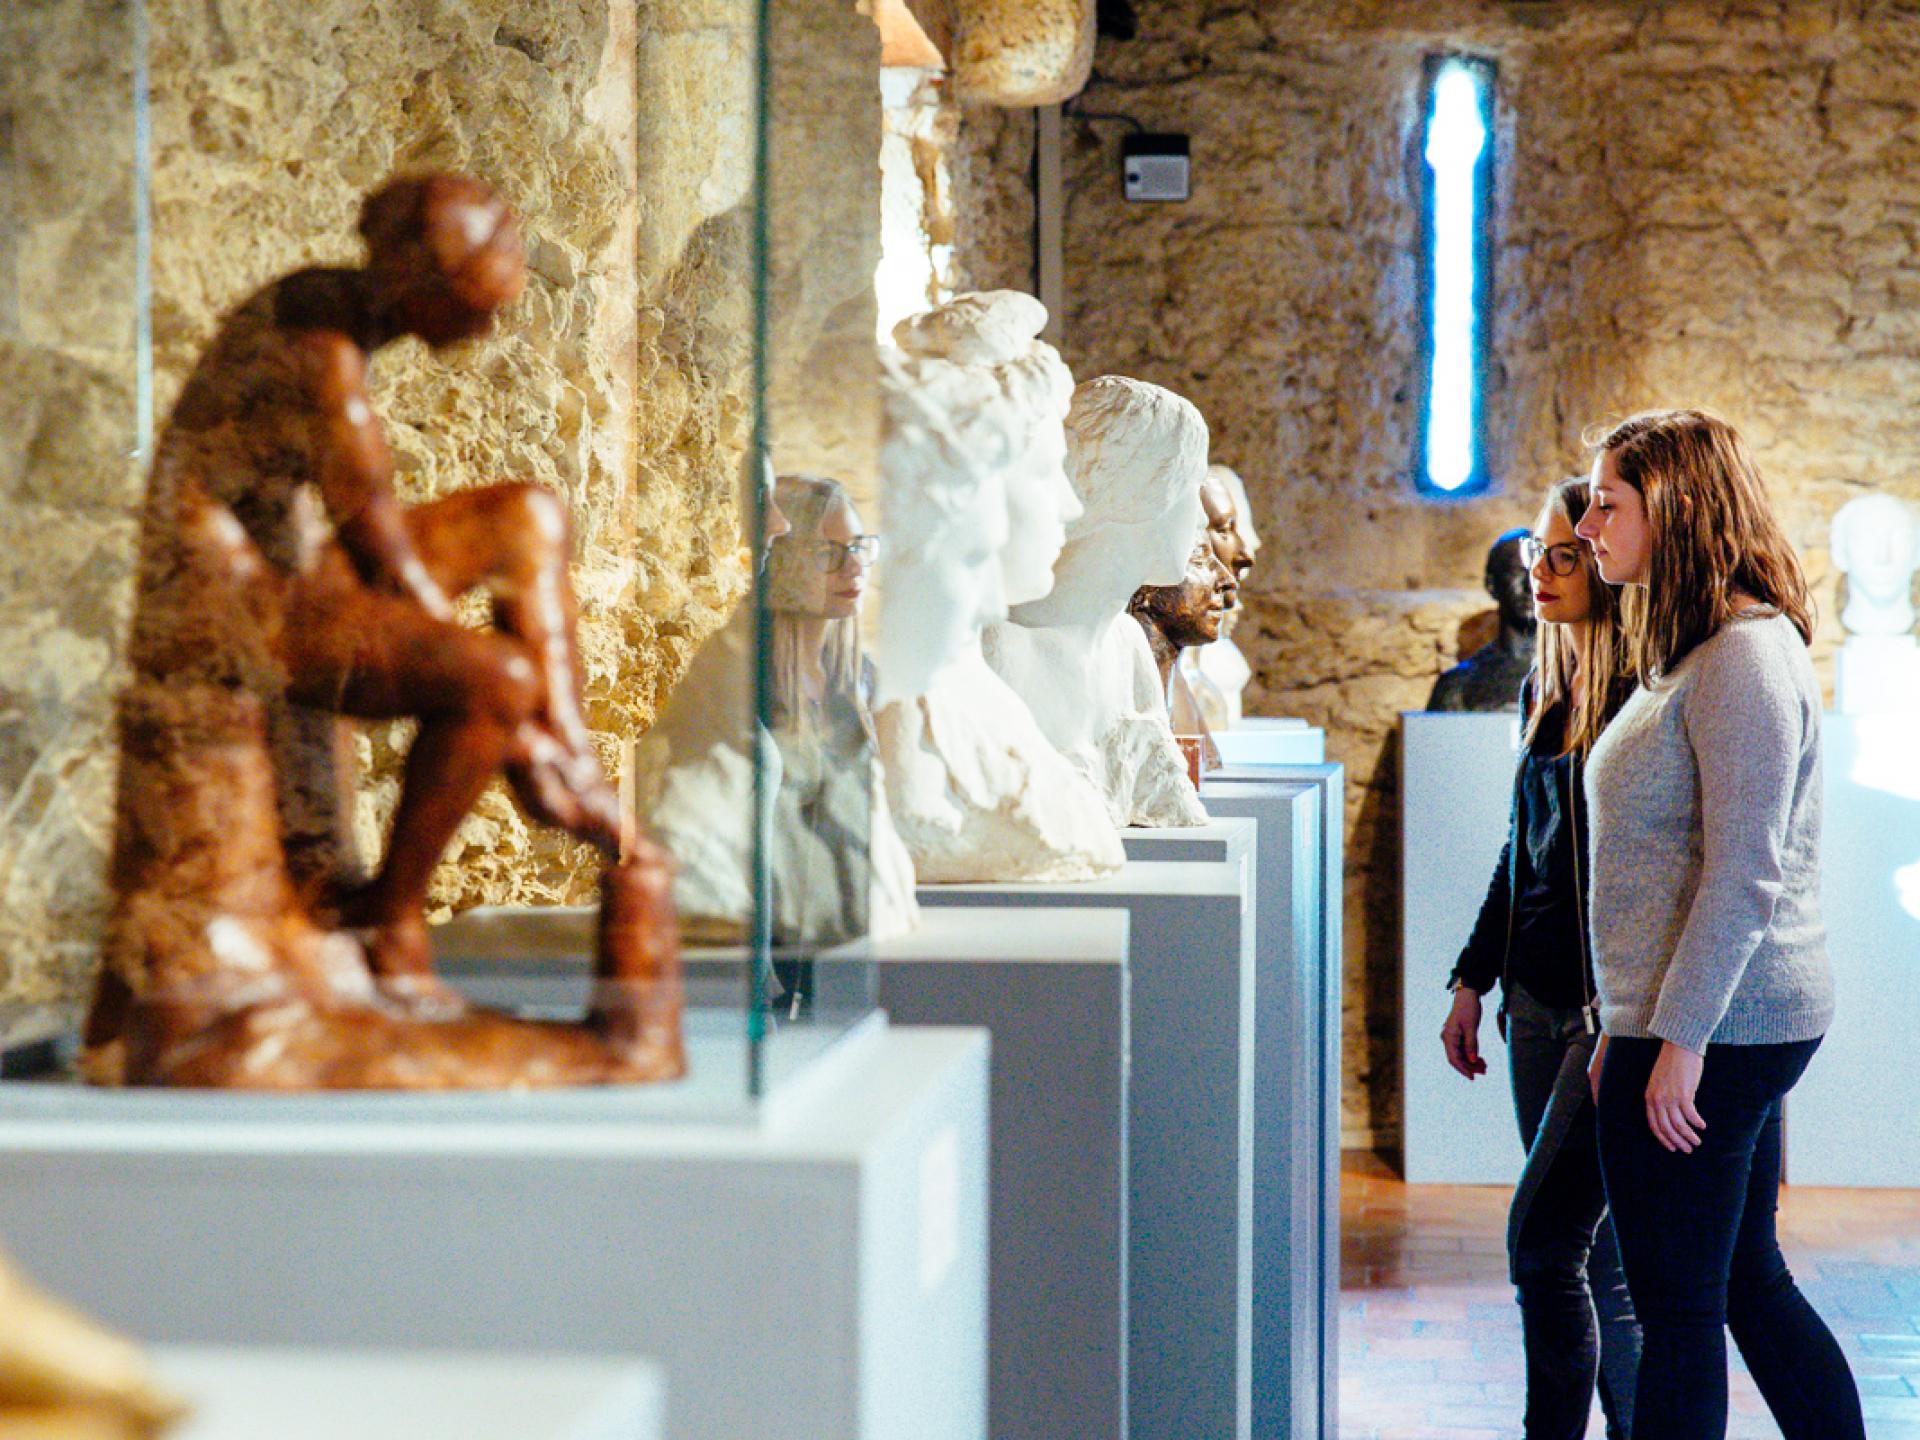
(1430, 1336)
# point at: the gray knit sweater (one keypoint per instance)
(1704, 797)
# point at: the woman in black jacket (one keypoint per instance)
(1531, 939)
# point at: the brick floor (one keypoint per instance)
(1430, 1336)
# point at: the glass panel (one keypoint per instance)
(329, 493)
(72, 371)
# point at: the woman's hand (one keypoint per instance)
(1670, 1091)
(1460, 1036)
(1597, 1064)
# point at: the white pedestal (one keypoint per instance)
(817, 1276)
(1190, 1189)
(1851, 1119)
(1456, 797)
(1267, 741)
(1223, 841)
(1877, 675)
(1051, 987)
(1296, 1255)
(249, 1394)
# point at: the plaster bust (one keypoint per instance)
(1136, 455)
(1490, 678)
(976, 489)
(1876, 543)
(1216, 675)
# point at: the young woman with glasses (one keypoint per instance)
(1708, 943)
(1531, 939)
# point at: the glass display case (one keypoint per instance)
(293, 583)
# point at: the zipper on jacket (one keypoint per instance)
(1587, 1017)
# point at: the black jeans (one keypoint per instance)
(1697, 1236)
(1577, 1322)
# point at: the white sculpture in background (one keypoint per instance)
(1218, 674)
(977, 502)
(1136, 455)
(1876, 544)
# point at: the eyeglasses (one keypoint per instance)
(1562, 560)
(832, 555)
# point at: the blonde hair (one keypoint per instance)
(1597, 650)
(1712, 531)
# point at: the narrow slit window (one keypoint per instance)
(1457, 172)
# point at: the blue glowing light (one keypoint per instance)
(1456, 136)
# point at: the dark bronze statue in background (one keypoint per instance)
(1489, 679)
(282, 587)
(1179, 617)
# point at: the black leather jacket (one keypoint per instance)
(1545, 854)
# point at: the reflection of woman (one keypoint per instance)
(1531, 939)
(816, 583)
(831, 848)
(1708, 942)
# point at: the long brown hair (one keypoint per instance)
(1713, 534)
(1597, 650)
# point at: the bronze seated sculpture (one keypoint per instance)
(282, 587)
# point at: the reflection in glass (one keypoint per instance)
(831, 851)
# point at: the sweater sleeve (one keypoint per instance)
(1746, 724)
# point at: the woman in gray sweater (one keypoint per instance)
(1709, 951)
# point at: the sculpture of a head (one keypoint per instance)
(1508, 583)
(1876, 543)
(1020, 391)
(1136, 454)
(1192, 612)
(444, 255)
(946, 501)
(821, 566)
(1221, 496)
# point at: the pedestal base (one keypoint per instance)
(817, 1276)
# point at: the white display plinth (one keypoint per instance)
(1850, 1120)
(1190, 1189)
(1878, 674)
(818, 1275)
(1267, 741)
(1051, 988)
(1296, 1255)
(1456, 797)
(1229, 841)
(265, 1394)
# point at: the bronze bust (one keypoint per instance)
(1490, 678)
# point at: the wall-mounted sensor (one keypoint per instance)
(1155, 167)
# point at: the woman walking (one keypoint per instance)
(1708, 944)
(1531, 939)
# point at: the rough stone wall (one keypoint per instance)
(823, 198)
(992, 176)
(1698, 203)
(622, 136)
(69, 492)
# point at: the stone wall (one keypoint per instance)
(69, 491)
(621, 134)
(1698, 203)
(823, 203)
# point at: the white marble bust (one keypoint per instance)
(977, 501)
(1136, 455)
(1876, 542)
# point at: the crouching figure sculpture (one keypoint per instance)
(284, 587)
